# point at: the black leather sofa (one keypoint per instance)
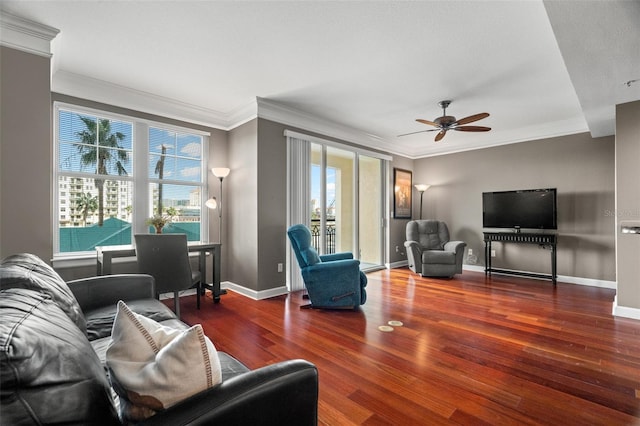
(53, 340)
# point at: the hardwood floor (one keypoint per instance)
(505, 351)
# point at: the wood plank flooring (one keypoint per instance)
(472, 350)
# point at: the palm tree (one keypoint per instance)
(108, 150)
(160, 172)
(86, 203)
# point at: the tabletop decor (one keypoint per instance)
(159, 222)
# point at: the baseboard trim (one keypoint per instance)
(560, 278)
(394, 265)
(624, 311)
(252, 294)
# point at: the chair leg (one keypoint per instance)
(198, 290)
(176, 303)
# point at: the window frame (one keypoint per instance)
(139, 177)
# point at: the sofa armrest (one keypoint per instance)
(107, 290)
(285, 393)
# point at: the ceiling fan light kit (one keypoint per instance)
(448, 122)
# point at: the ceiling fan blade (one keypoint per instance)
(440, 135)
(472, 118)
(430, 123)
(421, 131)
(472, 128)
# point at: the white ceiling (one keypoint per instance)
(365, 69)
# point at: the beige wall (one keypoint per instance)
(580, 167)
(628, 203)
(25, 154)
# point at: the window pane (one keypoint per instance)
(71, 125)
(70, 158)
(80, 228)
(175, 156)
(190, 146)
(182, 204)
(160, 139)
(101, 145)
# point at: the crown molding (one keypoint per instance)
(26, 35)
(81, 86)
(275, 111)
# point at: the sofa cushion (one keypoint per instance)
(48, 369)
(153, 367)
(30, 272)
(100, 320)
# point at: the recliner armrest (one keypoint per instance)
(455, 246)
(285, 393)
(412, 244)
(332, 257)
(107, 290)
(333, 267)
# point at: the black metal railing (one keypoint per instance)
(329, 235)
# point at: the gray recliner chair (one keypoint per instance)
(429, 251)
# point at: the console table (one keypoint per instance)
(544, 240)
(105, 255)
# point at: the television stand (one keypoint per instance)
(542, 240)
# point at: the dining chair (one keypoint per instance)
(166, 258)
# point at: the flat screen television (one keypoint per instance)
(526, 209)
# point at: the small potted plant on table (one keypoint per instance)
(159, 222)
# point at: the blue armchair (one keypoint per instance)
(333, 281)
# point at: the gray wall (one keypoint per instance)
(259, 203)
(580, 167)
(628, 203)
(397, 234)
(25, 154)
(272, 202)
(241, 219)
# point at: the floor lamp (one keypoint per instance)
(213, 203)
(421, 187)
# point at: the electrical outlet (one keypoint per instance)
(279, 267)
(397, 249)
(493, 253)
(470, 252)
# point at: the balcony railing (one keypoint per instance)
(329, 235)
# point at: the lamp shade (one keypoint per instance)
(221, 172)
(211, 203)
(421, 187)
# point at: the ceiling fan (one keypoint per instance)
(449, 122)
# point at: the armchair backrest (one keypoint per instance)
(166, 258)
(300, 238)
(430, 234)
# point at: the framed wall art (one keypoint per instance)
(401, 194)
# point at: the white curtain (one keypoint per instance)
(298, 196)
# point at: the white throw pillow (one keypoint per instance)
(156, 366)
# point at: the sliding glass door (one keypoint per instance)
(346, 203)
(333, 196)
(337, 191)
(370, 219)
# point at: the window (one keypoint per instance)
(114, 172)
